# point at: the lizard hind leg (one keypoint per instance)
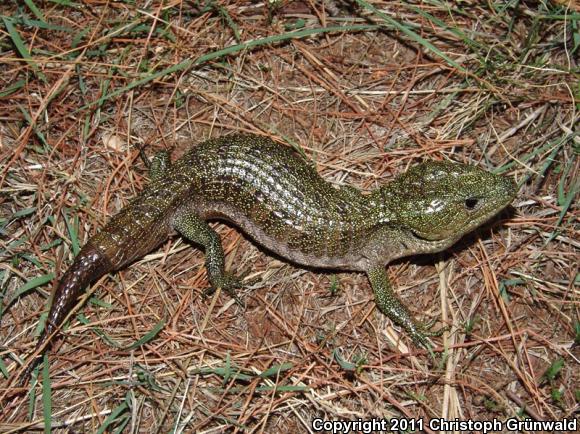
(195, 229)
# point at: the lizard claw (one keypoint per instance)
(425, 329)
(228, 283)
(421, 336)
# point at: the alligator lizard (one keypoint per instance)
(280, 201)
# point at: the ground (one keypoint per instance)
(365, 90)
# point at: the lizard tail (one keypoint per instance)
(89, 265)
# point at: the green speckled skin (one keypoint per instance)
(280, 201)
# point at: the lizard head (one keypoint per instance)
(442, 201)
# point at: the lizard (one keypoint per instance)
(278, 199)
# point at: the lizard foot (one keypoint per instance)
(229, 283)
(420, 336)
(426, 329)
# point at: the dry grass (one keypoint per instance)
(83, 84)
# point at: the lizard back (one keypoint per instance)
(277, 198)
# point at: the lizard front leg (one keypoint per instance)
(160, 164)
(389, 304)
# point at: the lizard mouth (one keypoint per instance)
(420, 237)
(432, 239)
(434, 243)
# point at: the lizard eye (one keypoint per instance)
(471, 203)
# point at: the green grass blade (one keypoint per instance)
(276, 369)
(32, 393)
(411, 34)
(440, 23)
(46, 398)
(34, 9)
(182, 66)
(148, 336)
(13, 88)
(73, 233)
(28, 119)
(3, 369)
(282, 389)
(223, 12)
(21, 47)
(112, 418)
(42, 25)
(280, 38)
(576, 34)
(30, 285)
(99, 332)
(565, 198)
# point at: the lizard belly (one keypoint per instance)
(347, 260)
